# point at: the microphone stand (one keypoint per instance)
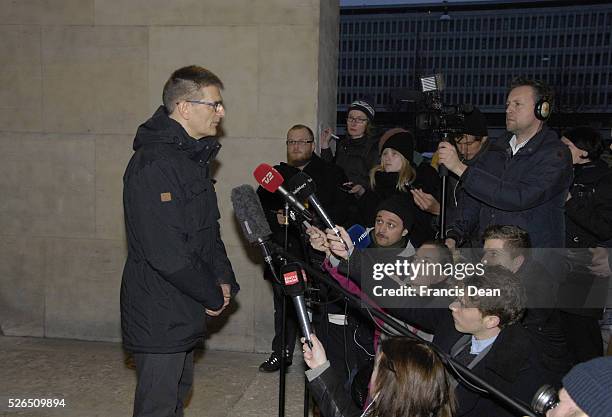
(282, 378)
(446, 358)
(443, 173)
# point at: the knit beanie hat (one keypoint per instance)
(588, 384)
(401, 206)
(475, 123)
(403, 143)
(363, 106)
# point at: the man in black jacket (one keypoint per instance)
(177, 270)
(328, 179)
(510, 247)
(523, 177)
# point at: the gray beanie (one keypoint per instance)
(589, 385)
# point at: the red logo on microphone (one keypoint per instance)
(291, 278)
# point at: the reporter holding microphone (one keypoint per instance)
(409, 379)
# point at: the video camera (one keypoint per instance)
(437, 117)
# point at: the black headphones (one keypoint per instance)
(543, 109)
(543, 106)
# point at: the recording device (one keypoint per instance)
(546, 398)
(359, 236)
(347, 187)
(271, 180)
(303, 187)
(436, 116)
(250, 215)
(293, 280)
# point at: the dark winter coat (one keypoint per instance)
(455, 195)
(589, 211)
(526, 190)
(176, 259)
(356, 157)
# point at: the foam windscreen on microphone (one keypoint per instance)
(302, 186)
(268, 177)
(249, 213)
(359, 236)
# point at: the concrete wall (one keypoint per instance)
(76, 79)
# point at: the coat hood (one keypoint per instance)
(160, 128)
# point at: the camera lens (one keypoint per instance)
(545, 399)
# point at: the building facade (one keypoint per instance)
(479, 48)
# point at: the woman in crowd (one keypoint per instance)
(409, 379)
(396, 175)
(357, 152)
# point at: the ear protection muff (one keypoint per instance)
(543, 109)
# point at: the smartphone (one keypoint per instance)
(346, 187)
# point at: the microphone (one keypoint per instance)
(293, 285)
(303, 187)
(250, 215)
(360, 236)
(271, 180)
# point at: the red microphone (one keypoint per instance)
(271, 180)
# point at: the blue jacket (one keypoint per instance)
(526, 190)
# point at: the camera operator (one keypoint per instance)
(586, 390)
(522, 179)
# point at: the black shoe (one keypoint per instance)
(272, 364)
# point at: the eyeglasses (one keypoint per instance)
(216, 105)
(298, 142)
(462, 140)
(357, 120)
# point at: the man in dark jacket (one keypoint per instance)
(523, 177)
(509, 246)
(177, 269)
(328, 179)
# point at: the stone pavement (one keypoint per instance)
(93, 380)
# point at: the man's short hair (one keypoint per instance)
(185, 82)
(299, 127)
(516, 240)
(509, 306)
(587, 139)
(540, 89)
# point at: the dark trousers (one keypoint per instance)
(164, 383)
(291, 322)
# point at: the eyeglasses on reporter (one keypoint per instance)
(217, 106)
(357, 120)
(298, 142)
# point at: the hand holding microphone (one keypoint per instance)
(339, 241)
(318, 241)
(313, 356)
